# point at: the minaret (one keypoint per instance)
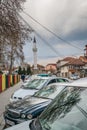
(35, 53)
(85, 54)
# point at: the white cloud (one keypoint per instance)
(63, 17)
(67, 18)
(47, 61)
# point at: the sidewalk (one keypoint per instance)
(4, 100)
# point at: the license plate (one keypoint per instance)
(9, 122)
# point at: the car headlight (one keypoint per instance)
(23, 116)
(29, 116)
(26, 97)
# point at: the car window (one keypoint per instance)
(62, 80)
(49, 91)
(46, 91)
(35, 84)
(65, 80)
(52, 81)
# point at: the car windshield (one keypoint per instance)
(49, 91)
(35, 84)
(68, 111)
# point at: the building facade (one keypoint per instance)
(69, 66)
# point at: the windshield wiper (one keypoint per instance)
(33, 88)
(46, 126)
(35, 125)
(30, 88)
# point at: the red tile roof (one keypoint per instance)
(75, 62)
(83, 58)
(68, 59)
(51, 64)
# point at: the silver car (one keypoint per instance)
(35, 85)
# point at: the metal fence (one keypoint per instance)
(7, 81)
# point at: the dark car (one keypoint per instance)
(31, 107)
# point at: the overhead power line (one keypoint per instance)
(25, 22)
(32, 30)
(44, 28)
(51, 31)
(51, 47)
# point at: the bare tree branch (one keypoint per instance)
(13, 32)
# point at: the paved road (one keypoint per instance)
(4, 100)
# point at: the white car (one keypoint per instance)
(74, 77)
(21, 126)
(33, 86)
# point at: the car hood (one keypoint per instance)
(25, 126)
(21, 93)
(28, 104)
(21, 126)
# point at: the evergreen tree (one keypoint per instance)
(20, 70)
(28, 70)
(24, 71)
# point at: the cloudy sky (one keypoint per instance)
(65, 18)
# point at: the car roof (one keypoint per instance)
(82, 82)
(39, 77)
(53, 77)
(43, 75)
(60, 83)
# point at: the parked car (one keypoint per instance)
(68, 111)
(31, 107)
(74, 76)
(28, 78)
(43, 75)
(35, 85)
